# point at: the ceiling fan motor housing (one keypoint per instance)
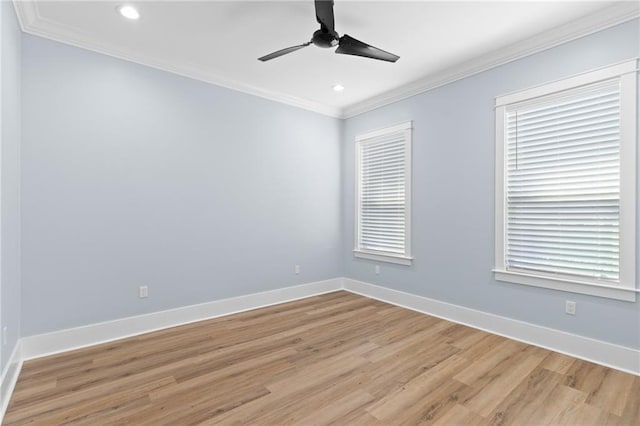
(325, 39)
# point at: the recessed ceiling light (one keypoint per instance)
(129, 12)
(338, 87)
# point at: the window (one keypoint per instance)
(383, 195)
(566, 184)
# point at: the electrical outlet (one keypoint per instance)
(143, 291)
(5, 335)
(297, 269)
(570, 307)
(377, 269)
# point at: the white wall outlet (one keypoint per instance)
(570, 307)
(377, 269)
(5, 335)
(297, 269)
(143, 291)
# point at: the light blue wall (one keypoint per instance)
(10, 178)
(453, 193)
(132, 176)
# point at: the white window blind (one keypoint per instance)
(563, 185)
(383, 194)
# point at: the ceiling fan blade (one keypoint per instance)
(351, 46)
(283, 52)
(324, 15)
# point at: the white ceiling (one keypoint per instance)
(220, 41)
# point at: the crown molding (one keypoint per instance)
(32, 23)
(613, 15)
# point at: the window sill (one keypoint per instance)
(383, 257)
(600, 290)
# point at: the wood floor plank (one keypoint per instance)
(463, 337)
(512, 372)
(612, 395)
(459, 415)
(337, 358)
(631, 411)
(335, 411)
(557, 362)
(483, 367)
(394, 404)
(580, 414)
(435, 404)
(560, 399)
(525, 400)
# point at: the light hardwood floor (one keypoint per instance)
(338, 358)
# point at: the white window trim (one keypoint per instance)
(400, 259)
(383, 257)
(626, 72)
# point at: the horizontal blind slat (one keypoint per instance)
(563, 185)
(382, 194)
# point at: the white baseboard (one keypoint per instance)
(607, 354)
(9, 378)
(93, 334)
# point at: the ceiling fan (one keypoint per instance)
(327, 36)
